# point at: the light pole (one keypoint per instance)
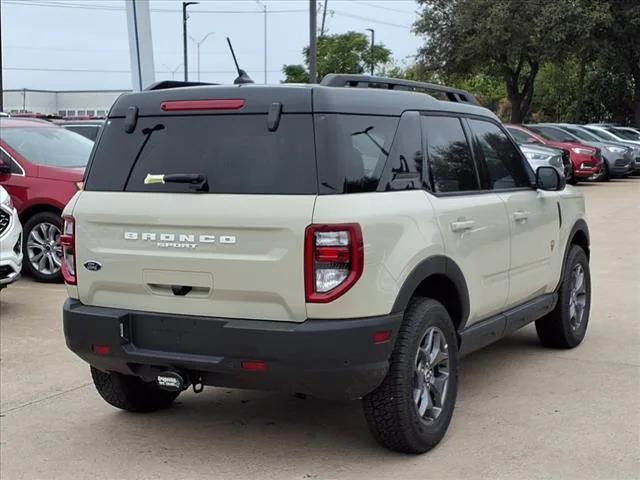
(264, 9)
(373, 40)
(198, 43)
(173, 72)
(184, 37)
(313, 43)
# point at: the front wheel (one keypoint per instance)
(41, 246)
(566, 325)
(411, 410)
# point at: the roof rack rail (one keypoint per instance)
(164, 84)
(365, 81)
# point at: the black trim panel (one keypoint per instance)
(438, 264)
(483, 333)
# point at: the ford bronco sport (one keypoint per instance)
(350, 239)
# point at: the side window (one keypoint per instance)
(503, 165)
(6, 159)
(451, 166)
(519, 135)
(403, 169)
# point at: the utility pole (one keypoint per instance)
(313, 45)
(264, 9)
(324, 17)
(198, 43)
(373, 40)
(184, 37)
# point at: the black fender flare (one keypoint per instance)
(579, 226)
(441, 265)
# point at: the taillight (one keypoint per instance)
(334, 259)
(68, 242)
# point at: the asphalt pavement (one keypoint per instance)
(523, 411)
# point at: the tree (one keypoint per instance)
(341, 53)
(510, 39)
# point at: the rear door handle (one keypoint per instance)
(520, 216)
(462, 226)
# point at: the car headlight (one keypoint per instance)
(614, 149)
(7, 202)
(542, 157)
(556, 161)
(582, 151)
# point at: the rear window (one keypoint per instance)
(237, 153)
(51, 146)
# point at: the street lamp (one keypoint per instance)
(373, 39)
(264, 9)
(198, 43)
(184, 36)
(173, 72)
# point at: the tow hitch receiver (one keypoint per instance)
(171, 381)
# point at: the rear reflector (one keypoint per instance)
(254, 366)
(218, 104)
(101, 349)
(382, 337)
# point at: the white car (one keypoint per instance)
(10, 241)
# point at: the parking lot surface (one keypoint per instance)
(522, 411)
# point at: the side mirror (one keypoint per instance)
(4, 167)
(550, 179)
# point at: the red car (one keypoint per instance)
(586, 160)
(41, 166)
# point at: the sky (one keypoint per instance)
(83, 44)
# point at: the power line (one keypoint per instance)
(384, 8)
(371, 20)
(88, 70)
(88, 6)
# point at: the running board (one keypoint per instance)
(492, 329)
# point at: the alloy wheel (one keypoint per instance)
(43, 248)
(578, 297)
(431, 375)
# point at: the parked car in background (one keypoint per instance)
(41, 167)
(586, 161)
(629, 133)
(604, 133)
(618, 158)
(10, 240)
(538, 156)
(87, 128)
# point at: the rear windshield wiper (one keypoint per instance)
(147, 132)
(197, 181)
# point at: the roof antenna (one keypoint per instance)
(243, 77)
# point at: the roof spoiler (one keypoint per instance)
(164, 84)
(366, 81)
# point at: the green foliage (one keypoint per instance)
(341, 53)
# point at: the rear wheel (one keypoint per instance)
(566, 325)
(130, 393)
(41, 247)
(411, 410)
(605, 176)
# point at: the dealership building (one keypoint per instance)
(65, 103)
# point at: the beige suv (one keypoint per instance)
(345, 240)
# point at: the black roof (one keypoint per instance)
(301, 98)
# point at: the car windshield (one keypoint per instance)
(553, 134)
(51, 146)
(604, 135)
(581, 134)
(626, 134)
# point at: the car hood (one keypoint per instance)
(569, 144)
(74, 174)
(534, 148)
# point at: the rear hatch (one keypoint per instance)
(231, 248)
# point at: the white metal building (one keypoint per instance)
(65, 103)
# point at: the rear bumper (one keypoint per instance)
(334, 359)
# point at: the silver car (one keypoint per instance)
(539, 156)
(618, 157)
(610, 133)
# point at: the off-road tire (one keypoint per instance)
(130, 393)
(37, 219)
(555, 329)
(390, 410)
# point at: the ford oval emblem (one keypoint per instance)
(92, 265)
